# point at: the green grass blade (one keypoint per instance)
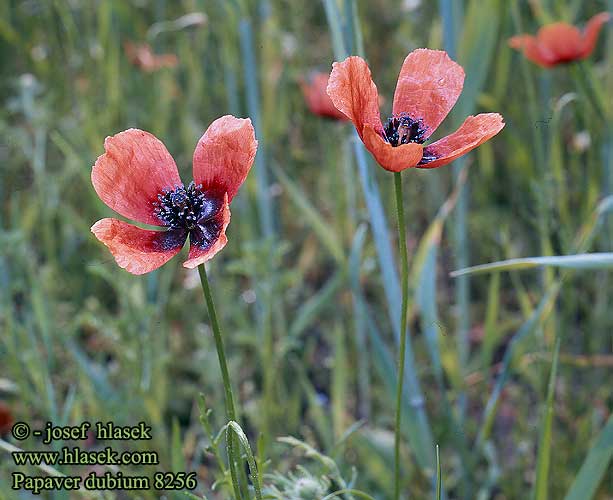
(594, 467)
(423, 276)
(309, 311)
(451, 15)
(177, 459)
(256, 479)
(320, 227)
(544, 452)
(363, 367)
(339, 390)
(336, 29)
(264, 199)
(536, 318)
(378, 224)
(474, 51)
(601, 260)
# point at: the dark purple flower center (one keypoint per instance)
(402, 129)
(190, 210)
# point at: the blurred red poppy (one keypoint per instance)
(6, 418)
(428, 86)
(317, 99)
(559, 43)
(143, 57)
(137, 177)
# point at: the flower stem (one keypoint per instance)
(402, 242)
(221, 354)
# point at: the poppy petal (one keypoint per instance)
(224, 155)
(353, 92)
(472, 133)
(591, 32)
(428, 86)
(394, 159)
(205, 249)
(562, 40)
(317, 99)
(137, 250)
(134, 169)
(532, 50)
(519, 42)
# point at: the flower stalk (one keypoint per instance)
(221, 354)
(223, 365)
(402, 250)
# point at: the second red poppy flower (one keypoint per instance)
(559, 43)
(428, 86)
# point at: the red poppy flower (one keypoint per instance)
(559, 43)
(137, 177)
(143, 57)
(428, 86)
(317, 99)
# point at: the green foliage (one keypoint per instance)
(307, 289)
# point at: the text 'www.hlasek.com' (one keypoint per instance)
(101, 462)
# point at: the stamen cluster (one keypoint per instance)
(402, 129)
(184, 207)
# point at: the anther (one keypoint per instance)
(184, 207)
(402, 129)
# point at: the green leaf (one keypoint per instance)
(253, 469)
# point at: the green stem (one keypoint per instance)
(221, 354)
(402, 242)
(439, 479)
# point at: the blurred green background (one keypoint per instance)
(308, 281)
